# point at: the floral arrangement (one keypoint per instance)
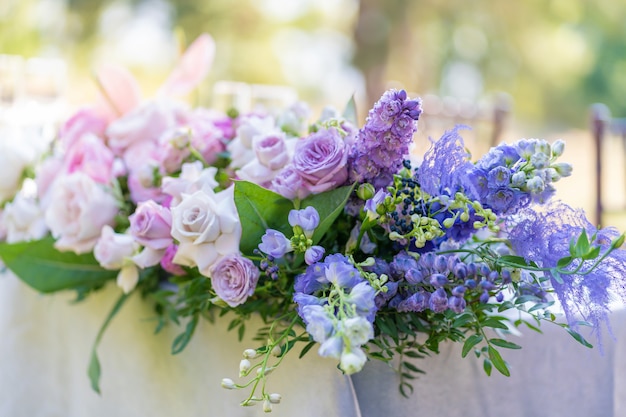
(338, 237)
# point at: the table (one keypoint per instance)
(46, 343)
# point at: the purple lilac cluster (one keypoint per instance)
(338, 308)
(384, 140)
(439, 282)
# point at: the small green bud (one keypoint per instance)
(365, 191)
(449, 222)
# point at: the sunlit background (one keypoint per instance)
(531, 68)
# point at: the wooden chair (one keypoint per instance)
(602, 126)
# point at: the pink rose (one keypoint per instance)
(79, 208)
(321, 160)
(145, 123)
(84, 121)
(89, 154)
(150, 225)
(113, 249)
(173, 148)
(234, 279)
(167, 261)
(45, 175)
(206, 137)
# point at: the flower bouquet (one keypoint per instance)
(338, 237)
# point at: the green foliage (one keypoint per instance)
(47, 270)
(259, 209)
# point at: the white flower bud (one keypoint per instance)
(276, 351)
(267, 406)
(228, 383)
(275, 398)
(244, 367)
(558, 147)
(250, 353)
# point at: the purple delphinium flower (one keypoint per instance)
(318, 323)
(542, 234)
(275, 244)
(383, 142)
(314, 254)
(363, 297)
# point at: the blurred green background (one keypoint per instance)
(552, 57)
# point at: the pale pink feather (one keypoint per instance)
(192, 67)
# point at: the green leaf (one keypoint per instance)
(306, 349)
(592, 254)
(260, 209)
(470, 342)
(181, 341)
(487, 366)
(463, 319)
(349, 112)
(47, 270)
(563, 262)
(579, 338)
(556, 275)
(495, 323)
(498, 362)
(329, 205)
(504, 344)
(582, 245)
(93, 370)
(513, 260)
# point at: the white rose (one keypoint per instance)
(14, 158)
(113, 250)
(24, 220)
(207, 228)
(78, 209)
(193, 177)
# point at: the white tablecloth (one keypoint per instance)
(46, 343)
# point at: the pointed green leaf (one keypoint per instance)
(504, 344)
(579, 338)
(487, 366)
(47, 270)
(498, 362)
(329, 205)
(260, 209)
(470, 342)
(582, 245)
(592, 254)
(93, 370)
(563, 262)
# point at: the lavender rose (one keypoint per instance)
(321, 159)
(150, 225)
(234, 279)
